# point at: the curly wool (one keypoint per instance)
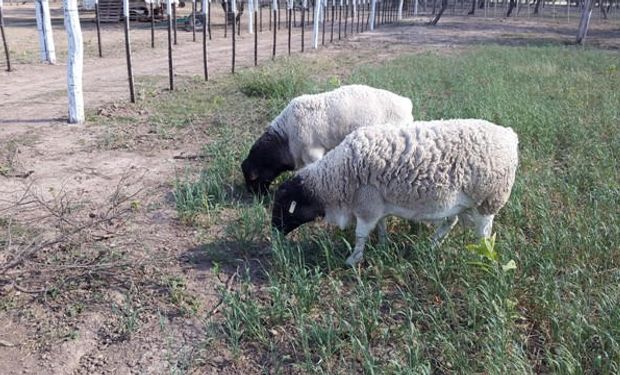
(424, 166)
(314, 124)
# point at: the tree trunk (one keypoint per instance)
(473, 8)
(444, 6)
(604, 9)
(315, 27)
(250, 16)
(373, 9)
(537, 6)
(511, 7)
(584, 22)
(46, 38)
(75, 62)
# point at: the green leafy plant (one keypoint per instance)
(486, 250)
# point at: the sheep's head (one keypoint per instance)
(268, 157)
(294, 205)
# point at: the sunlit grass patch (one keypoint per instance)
(541, 300)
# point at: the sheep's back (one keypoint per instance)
(323, 120)
(427, 161)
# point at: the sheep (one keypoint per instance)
(429, 171)
(311, 125)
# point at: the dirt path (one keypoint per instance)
(35, 94)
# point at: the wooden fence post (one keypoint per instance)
(132, 92)
(304, 6)
(331, 36)
(209, 18)
(233, 9)
(340, 20)
(193, 20)
(4, 42)
(289, 6)
(170, 68)
(275, 15)
(205, 8)
(174, 20)
(98, 27)
(152, 23)
(256, 6)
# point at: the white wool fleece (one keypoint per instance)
(427, 171)
(315, 124)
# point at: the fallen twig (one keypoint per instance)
(16, 174)
(6, 343)
(189, 157)
(28, 291)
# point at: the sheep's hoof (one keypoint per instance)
(354, 259)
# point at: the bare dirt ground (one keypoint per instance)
(130, 189)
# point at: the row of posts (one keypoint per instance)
(365, 10)
(362, 14)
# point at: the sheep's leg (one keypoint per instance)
(382, 229)
(443, 230)
(362, 230)
(483, 224)
(368, 210)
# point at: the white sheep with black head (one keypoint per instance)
(311, 125)
(430, 171)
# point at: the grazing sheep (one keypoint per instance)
(311, 125)
(427, 171)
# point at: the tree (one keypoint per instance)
(511, 7)
(46, 37)
(584, 21)
(75, 62)
(444, 6)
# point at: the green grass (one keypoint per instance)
(410, 309)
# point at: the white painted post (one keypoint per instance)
(75, 62)
(400, 9)
(373, 6)
(46, 37)
(251, 16)
(315, 30)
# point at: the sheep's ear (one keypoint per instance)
(291, 208)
